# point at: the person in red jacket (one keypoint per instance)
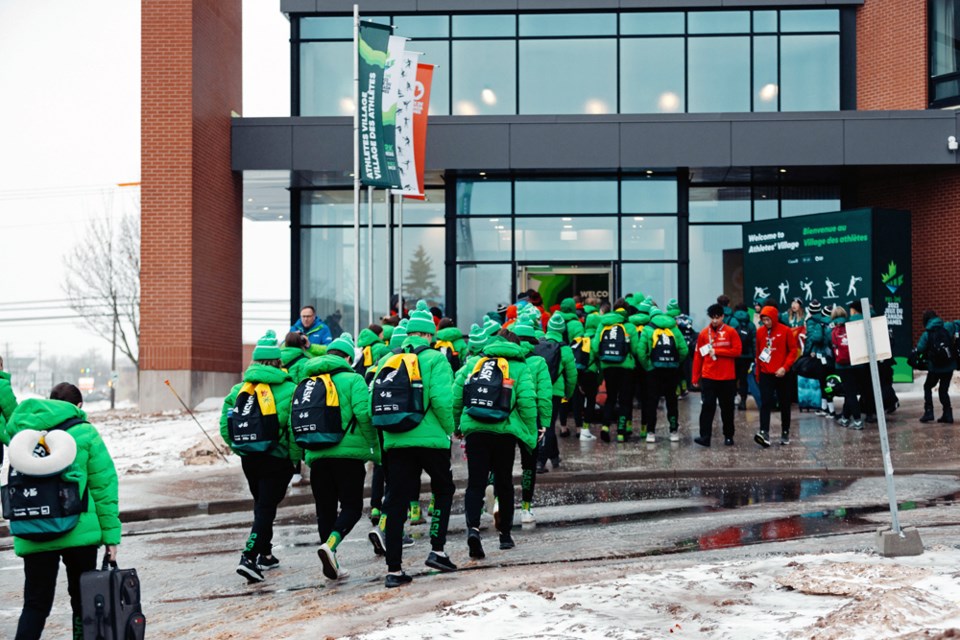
(776, 353)
(715, 372)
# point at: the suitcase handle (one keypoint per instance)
(107, 563)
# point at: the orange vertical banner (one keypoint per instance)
(421, 107)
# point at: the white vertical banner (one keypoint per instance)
(392, 84)
(406, 159)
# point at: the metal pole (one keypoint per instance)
(400, 253)
(356, 170)
(369, 255)
(881, 415)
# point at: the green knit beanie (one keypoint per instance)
(567, 305)
(673, 307)
(345, 344)
(421, 320)
(490, 326)
(523, 328)
(589, 308)
(557, 324)
(399, 334)
(267, 348)
(477, 337)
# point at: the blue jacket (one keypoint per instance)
(319, 333)
(922, 343)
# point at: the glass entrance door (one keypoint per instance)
(556, 282)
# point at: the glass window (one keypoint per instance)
(718, 22)
(437, 53)
(648, 237)
(335, 207)
(484, 26)
(766, 203)
(810, 20)
(651, 75)
(326, 28)
(480, 288)
(799, 201)
(657, 280)
(641, 24)
(716, 266)
(486, 79)
(649, 195)
(568, 24)
(719, 75)
(576, 239)
(766, 88)
(422, 26)
(430, 210)
(810, 73)
(326, 79)
(484, 197)
(484, 238)
(719, 204)
(566, 196)
(764, 21)
(424, 275)
(944, 52)
(588, 68)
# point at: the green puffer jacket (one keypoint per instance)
(283, 388)
(522, 423)
(591, 323)
(294, 359)
(360, 440)
(566, 382)
(93, 469)
(818, 342)
(571, 319)
(378, 348)
(435, 429)
(608, 320)
(661, 321)
(925, 338)
(8, 402)
(540, 373)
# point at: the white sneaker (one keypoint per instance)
(296, 480)
(489, 500)
(526, 518)
(674, 436)
(331, 567)
(651, 437)
(586, 436)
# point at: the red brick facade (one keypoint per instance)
(191, 201)
(892, 55)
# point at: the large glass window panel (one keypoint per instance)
(569, 238)
(649, 195)
(766, 86)
(480, 288)
(328, 28)
(335, 207)
(424, 274)
(484, 238)
(484, 197)
(431, 210)
(568, 24)
(657, 280)
(486, 79)
(588, 69)
(766, 203)
(944, 53)
(810, 73)
(719, 74)
(718, 22)
(422, 26)
(799, 201)
(651, 75)
(764, 21)
(719, 204)
(326, 79)
(566, 196)
(716, 266)
(651, 23)
(436, 53)
(810, 20)
(648, 237)
(484, 26)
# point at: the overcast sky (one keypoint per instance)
(70, 131)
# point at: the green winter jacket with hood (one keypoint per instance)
(293, 360)
(454, 336)
(435, 429)
(283, 388)
(608, 320)
(818, 341)
(566, 382)
(660, 320)
(378, 348)
(925, 339)
(92, 468)
(8, 401)
(522, 423)
(360, 438)
(540, 373)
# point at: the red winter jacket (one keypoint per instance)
(726, 346)
(780, 339)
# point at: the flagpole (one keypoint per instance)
(400, 252)
(370, 255)
(356, 170)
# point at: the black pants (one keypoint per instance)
(662, 382)
(490, 452)
(941, 380)
(377, 485)
(851, 393)
(40, 585)
(770, 386)
(713, 392)
(588, 383)
(337, 481)
(640, 393)
(619, 404)
(742, 368)
(575, 408)
(528, 471)
(268, 478)
(549, 450)
(403, 468)
(865, 387)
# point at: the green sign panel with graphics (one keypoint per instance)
(835, 258)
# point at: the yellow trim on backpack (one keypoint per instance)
(584, 343)
(660, 332)
(502, 364)
(409, 360)
(445, 343)
(333, 398)
(264, 395)
(626, 336)
(368, 355)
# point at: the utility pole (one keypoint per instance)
(113, 359)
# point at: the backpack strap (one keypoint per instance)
(296, 360)
(66, 424)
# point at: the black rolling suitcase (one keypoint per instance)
(111, 604)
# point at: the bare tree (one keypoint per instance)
(103, 281)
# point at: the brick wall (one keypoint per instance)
(892, 55)
(191, 201)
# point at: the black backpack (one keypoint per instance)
(746, 339)
(551, 352)
(940, 351)
(364, 360)
(614, 344)
(581, 353)
(397, 404)
(488, 391)
(253, 425)
(664, 349)
(315, 417)
(446, 348)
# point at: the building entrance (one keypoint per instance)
(555, 282)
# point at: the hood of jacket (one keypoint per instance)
(325, 364)
(934, 322)
(504, 349)
(741, 316)
(450, 334)
(773, 314)
(40, 414)
(611, 318)
(367, 338)
(574, 330)
(640, 319)
(663, 321)
(257, 372)
(289, 354)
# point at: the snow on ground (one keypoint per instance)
(822, 596)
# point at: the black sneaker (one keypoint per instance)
(441, 563)
(605, 433)
(397, 580)
(728, 442)
(762, 439)
(475, 546)
(542, 468)
(407, 541)
(268, 562)
(378, 542)
(784, 440)
(249, 569)
(506, 542)
(703, 442)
